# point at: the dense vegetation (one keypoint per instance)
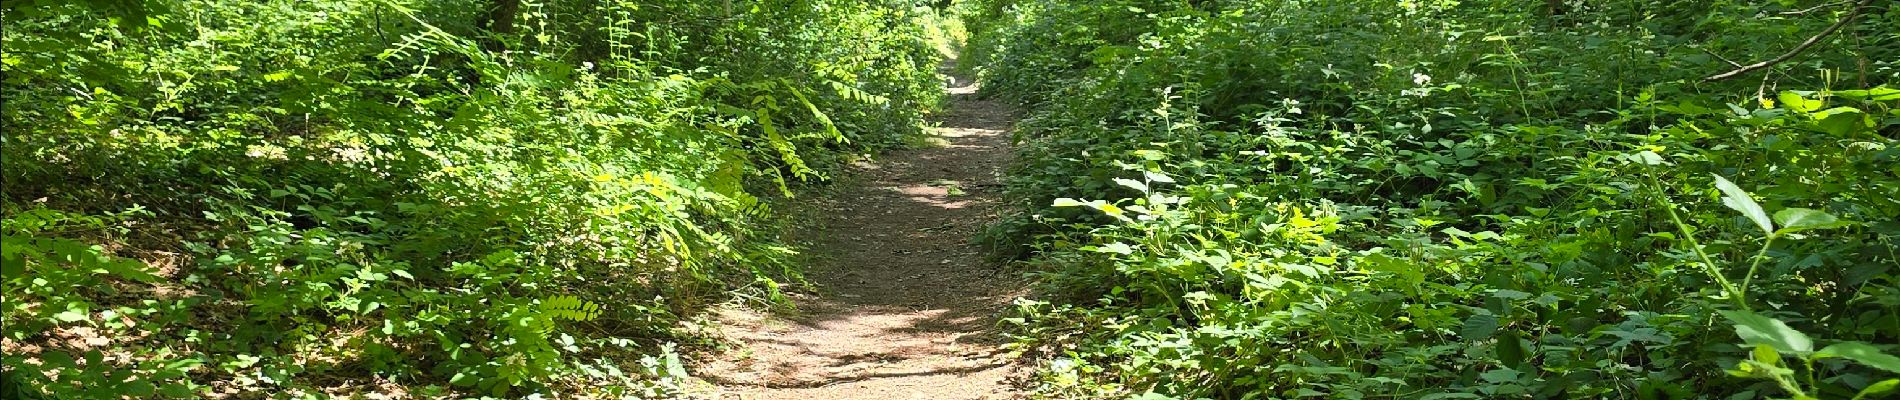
(1224, 199)
(434, 198)
(1444, 199)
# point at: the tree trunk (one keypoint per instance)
(499, 20)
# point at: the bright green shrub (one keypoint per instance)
(347, 192)
(1279, 199)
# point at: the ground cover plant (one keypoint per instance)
(1270, 199)
(406, 198)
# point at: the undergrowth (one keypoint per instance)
(460, 198)
(1254, 199)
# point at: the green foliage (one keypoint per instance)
(330, 194)
(1438, 199)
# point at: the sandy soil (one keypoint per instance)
(907, 307)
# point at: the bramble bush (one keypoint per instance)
(441, 198)
(1452, 199)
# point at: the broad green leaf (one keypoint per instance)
(1882, 93)
(1756, 329)
(1479, 327)
(1151, 155)
(1876, 389)
(1766, 354)
(1734, 197)
(70, 316)
(1647, 157)
(138, 388)
(1840, 121)
(1801, 219)
(1510, 349)
(1132, 184)
(1500, 375)
(1865, 354)
(11, 267)
(174, 390)
(1117, 248)
(1153, 176)
(1795, 102)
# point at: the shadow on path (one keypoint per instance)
(907, 306)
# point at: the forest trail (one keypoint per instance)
(907, 306)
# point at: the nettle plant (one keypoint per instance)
(1771, 340)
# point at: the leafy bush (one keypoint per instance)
(488, 197)
(1349, 199)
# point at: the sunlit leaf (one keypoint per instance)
(1802, 219)
(1756, 329)
(1794, 101)
(1734, 197)
(1132, 184)
(1863, 353)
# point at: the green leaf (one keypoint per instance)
(1882, 93)
(1479, 327)
(11, 267)
(1840, 121)
(1794, 101)
(1117, 248)
(175, 390)
(71, 315)
(1511, 350)
(1132, 184)
(1154, 176)
(1878, 389)
(1647, 157)
(1756, 329)
(1865, 354)
(1766, 355)
(1734, 197)
(1801, 219)
(138, 388)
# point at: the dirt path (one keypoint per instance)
(908, 306)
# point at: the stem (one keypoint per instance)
(1759, 256)
(1809, 362)
(1791, 387)
(1523, 101)
(1708, 264)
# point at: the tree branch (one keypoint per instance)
(1816, 39)
(1805, 11)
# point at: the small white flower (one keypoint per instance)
(1421, 79)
